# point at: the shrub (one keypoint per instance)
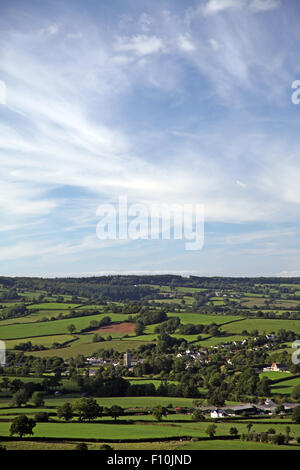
(105, 447)
(264, 437)
(41, 417)
(81, 446)
(278, 439)
(233, 431)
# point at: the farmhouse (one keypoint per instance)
(242, 409)
(94, 360)
(276, 367)
(218, 414)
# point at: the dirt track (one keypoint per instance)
(123, 327)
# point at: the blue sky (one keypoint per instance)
(172, 101)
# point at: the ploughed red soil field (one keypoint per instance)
(117, 328)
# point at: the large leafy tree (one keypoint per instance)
(37, 399)
(65, 411)
(211, 430)
(159, 412)
(22, 425)
(116, 411)
(20, 398)
(87, 409)
(296, 415)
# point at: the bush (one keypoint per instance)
(233, 431)
(105, 447)
(41, 417)
(278, 439)
(81, 446)
(264, 437)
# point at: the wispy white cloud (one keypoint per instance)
(212, 7)
(35, 249)
(264, 5)
(50, 30)
(259, 236)
(215, 6)
(214, 44)
(141, 45)
(185, 43)
(241, 184)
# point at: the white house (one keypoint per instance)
(218, 414)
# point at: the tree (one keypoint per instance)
(15, 385)
(263, 387)
(20, 398)
(94, 324)
(278, 439)
(22, 425)
(5, 383)
(233, 431)
(139, 328)
(197, 415)
(115, 411)
(249, 426)
(87, 409)
(41, 417)
(296, 393)
(159, 412)
(39, 368)
(37, 399)
(216, 397)
(296, 415)
(247, 382)
(71, 328)
(211, 430)
(279, 409)
(65, 411)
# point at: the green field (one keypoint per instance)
(136, 431)
(46, 341)
(262, 325)
(202, 319)
(285, 387)
(52, 306)
(55, 327)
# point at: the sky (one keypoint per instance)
(170, 102)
